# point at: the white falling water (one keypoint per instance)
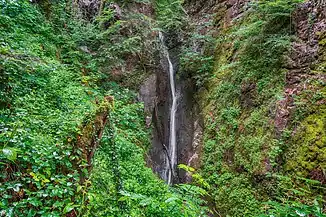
(171, 159)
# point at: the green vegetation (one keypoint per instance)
(310, 154)
(170, 15)
(59, 105)
(241, 149)
(43, 105)
(307, 148)
(73, 138)
(121, 184)
(197, 53)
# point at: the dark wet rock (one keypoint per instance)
(248, 95)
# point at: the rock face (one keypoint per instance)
(189, 121)
(190, 126)
(226, 11)
(306, 71)
(148, 95)
(248, 132)
(157, 108)
(87, 9)
(309, 20)
(155, 92)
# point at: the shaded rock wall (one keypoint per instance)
(248, 135)
(305, 93)
(158, 108)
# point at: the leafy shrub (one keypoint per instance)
(121, 184)
(43, 106)
(196, 58)
(170, 14)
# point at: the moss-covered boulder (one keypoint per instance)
(309, 154)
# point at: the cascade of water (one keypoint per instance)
(172, 152)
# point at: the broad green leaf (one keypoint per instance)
(10, 153)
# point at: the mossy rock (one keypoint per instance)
(308, 150)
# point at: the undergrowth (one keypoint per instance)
(241, 147)
(56, 71)
(121, 184)
(43, 105)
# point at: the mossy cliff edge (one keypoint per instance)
(264, 104)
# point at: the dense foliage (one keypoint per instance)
(73, 138)
(121, 184)
(54, 76)
(243, 151)
(43, 104)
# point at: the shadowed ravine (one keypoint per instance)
(171, 157)
(163, 108)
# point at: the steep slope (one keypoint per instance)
(85, 106)
(263, 105)
(73, 141)
(45, 105)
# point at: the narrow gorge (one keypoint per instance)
(163, 108)
(170, 159)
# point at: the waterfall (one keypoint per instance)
(170, 160)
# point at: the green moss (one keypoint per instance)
(240, 143)
(309, 144)
(235, 196)
(322, 38)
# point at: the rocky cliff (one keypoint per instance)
(251, 113)
(264, 106)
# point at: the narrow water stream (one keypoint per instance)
(170, 160)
